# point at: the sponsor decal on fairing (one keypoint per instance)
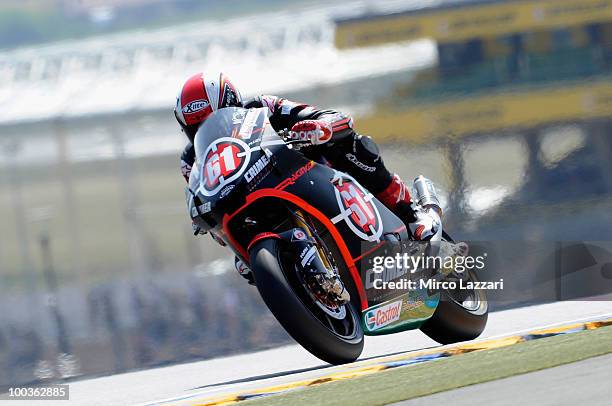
(204, 208)
(296, 175)
(256, 168)
(356, 208)
(250, 120)
(260, 169)
(383, 315)
(226, 190)
(225, 160)
(298, 235)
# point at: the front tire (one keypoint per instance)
(281, 293)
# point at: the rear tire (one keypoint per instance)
(452, 322)
(280, 294)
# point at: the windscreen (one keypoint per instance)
(226, 144)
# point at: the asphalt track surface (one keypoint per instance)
(222, 376)
(580, 383)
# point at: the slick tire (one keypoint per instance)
(280, 293)
(452, 322)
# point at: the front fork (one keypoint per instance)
(300, 221)
(312, 261)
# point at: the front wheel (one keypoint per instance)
(336, 338)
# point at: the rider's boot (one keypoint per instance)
(422, 223)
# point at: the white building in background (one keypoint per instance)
(142, 70)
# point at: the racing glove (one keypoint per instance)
(185, 170)
(317, 132)
(244, 270)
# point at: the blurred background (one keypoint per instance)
(506, 105)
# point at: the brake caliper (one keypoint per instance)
(322, 280)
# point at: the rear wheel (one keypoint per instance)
(461, 314)
(333, 335)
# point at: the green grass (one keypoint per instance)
(454, 372)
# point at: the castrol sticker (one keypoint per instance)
(382, 316)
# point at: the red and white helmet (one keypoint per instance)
(200, 96)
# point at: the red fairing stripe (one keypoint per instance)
(302, 204)
(261, 236)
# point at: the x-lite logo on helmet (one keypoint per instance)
(195, 106)
(200, 96)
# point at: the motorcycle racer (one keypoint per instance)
(327, 133)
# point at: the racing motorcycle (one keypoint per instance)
(310, 235)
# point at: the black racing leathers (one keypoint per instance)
(347, 151)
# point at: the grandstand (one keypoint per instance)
(527, 79)
(544, 52)
(141, 70)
